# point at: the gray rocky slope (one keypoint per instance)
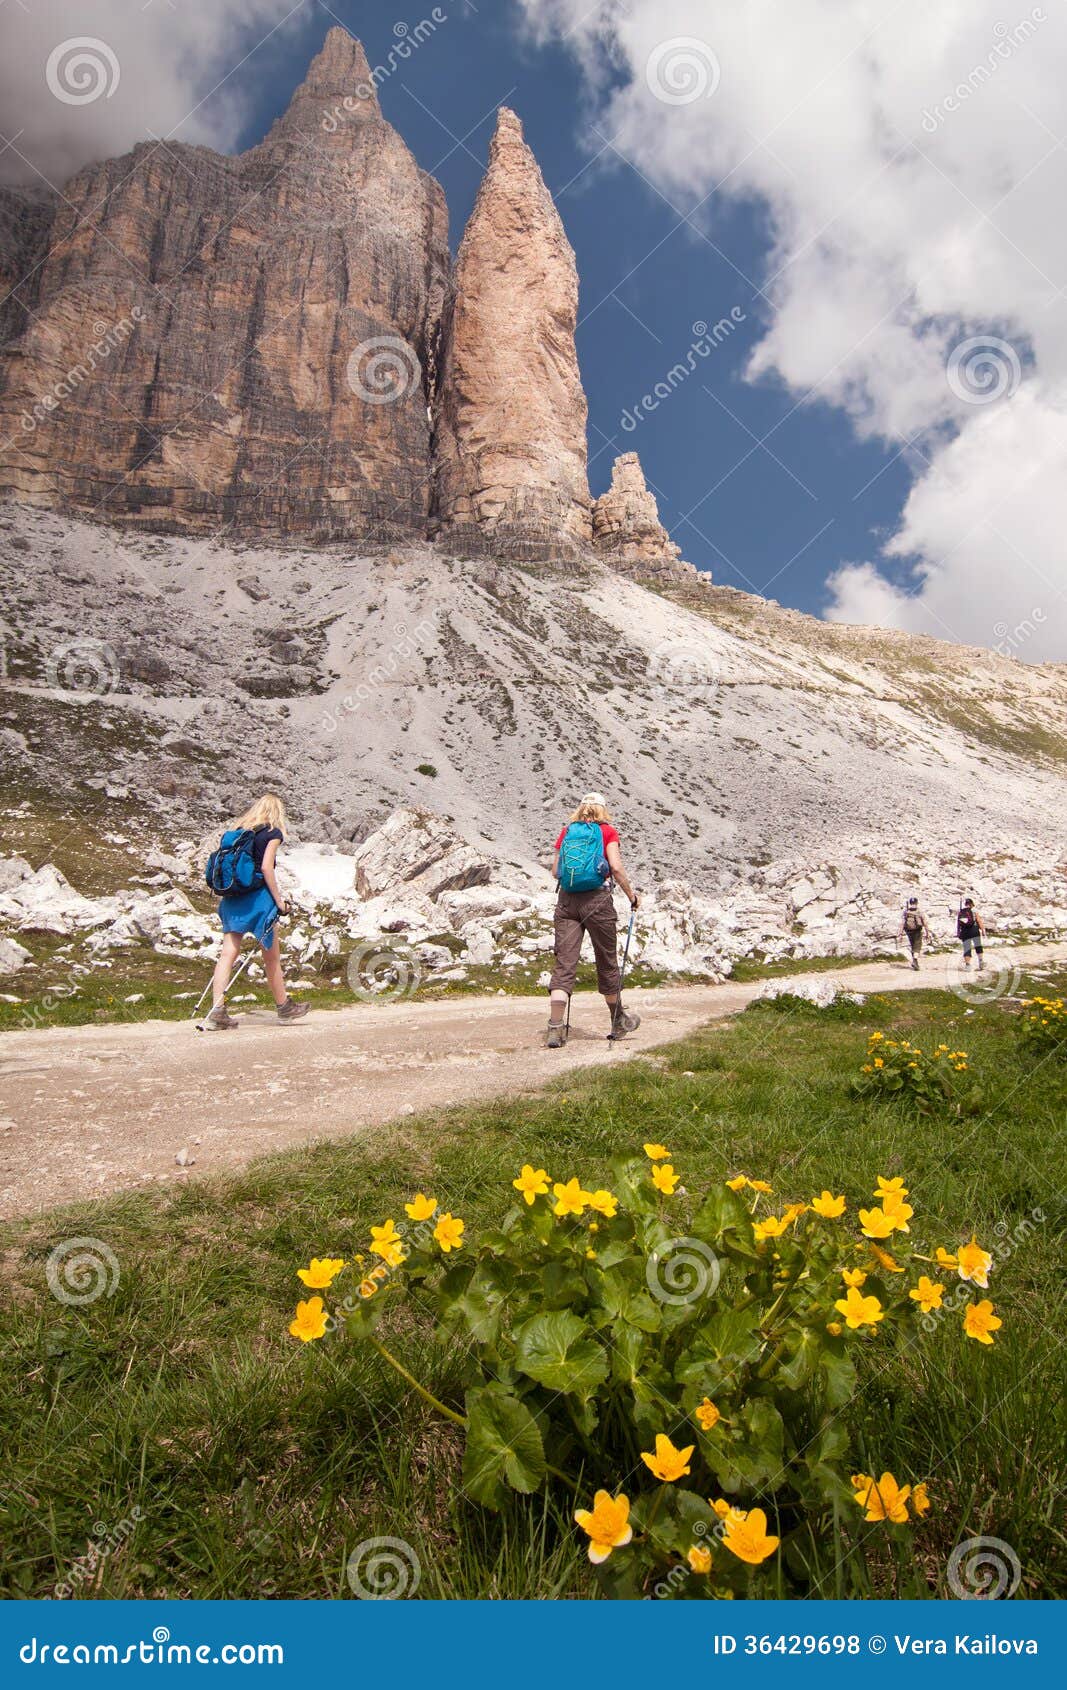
(779, 783)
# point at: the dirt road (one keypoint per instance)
(85, 1111)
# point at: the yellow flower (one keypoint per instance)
(699, 1558)
(309, 1321)
(945, 1258)
(367, 1287)
(668, 1463)
(320, 1274)
(875, 1223)
(737, 1184)
(707, 1414)
(927, 1294)
(657, 1152)
(664, 1178)
(919, 1500)
(884, 1259)
(749, 1539)
(883, 1499)
(760, 1185)
(829, 1206)
(974, 1263)
(854, 1276)
(449, 1233)
(420, 1208)
(772, 1227)
(793, 1212)
(859, 1310)
(604, 1203)
(834, 1328)
(878, 1062)
(532, 1182)
(875, 1038)
(897, 1210)
(891, 1187)
(590, 1255)
(385, 1242)
(606, 1524)
(570, 1198)
(980, 1322)
(726, 1510)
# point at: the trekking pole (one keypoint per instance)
(622, 974)
(238, 971)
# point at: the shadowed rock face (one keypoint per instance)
(510, 439)
(247, 341)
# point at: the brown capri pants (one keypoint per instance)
(578, 913)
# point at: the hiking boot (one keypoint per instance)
(915, 962)
(623, 1022)
(557, 1035)
(290, 1011)
(981, 962)
(219, 1020)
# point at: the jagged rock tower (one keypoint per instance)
(510, 416)
(247, 340)
(627, 531)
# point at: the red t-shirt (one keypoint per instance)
(609, 835)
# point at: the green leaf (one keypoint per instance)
(504, 1447)
(840, 1378)
(557, 1351)
(474, 1297)
(562, 1285)
(802, 1359)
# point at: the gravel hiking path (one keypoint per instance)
(87, 1111)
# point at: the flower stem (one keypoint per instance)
(434, 1402)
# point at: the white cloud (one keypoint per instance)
(909, 157)
(151, 68)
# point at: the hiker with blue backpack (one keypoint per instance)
(587, 865)
(242, 872)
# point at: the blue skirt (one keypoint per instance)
(249, 912)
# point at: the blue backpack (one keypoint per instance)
(232, 868)
(583, 866)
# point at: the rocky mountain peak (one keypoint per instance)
(336, 94)
(626, 527)
(510, 441)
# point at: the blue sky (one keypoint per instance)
(768, 495)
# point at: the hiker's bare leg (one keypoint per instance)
(231, 946)
(272, 968)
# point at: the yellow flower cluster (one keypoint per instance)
(885, 1499)
(607, 1523)
(311, 1319)
(878, 1047)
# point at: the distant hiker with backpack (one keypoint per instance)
(242, 871)
(970, 928)
(586, 865)
(913, 928)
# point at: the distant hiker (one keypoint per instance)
(913, 928)
(971, 929)
(244, 863)
(586, 865)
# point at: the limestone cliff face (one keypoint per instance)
(247, 341)
(510, 417)
(627, 531)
